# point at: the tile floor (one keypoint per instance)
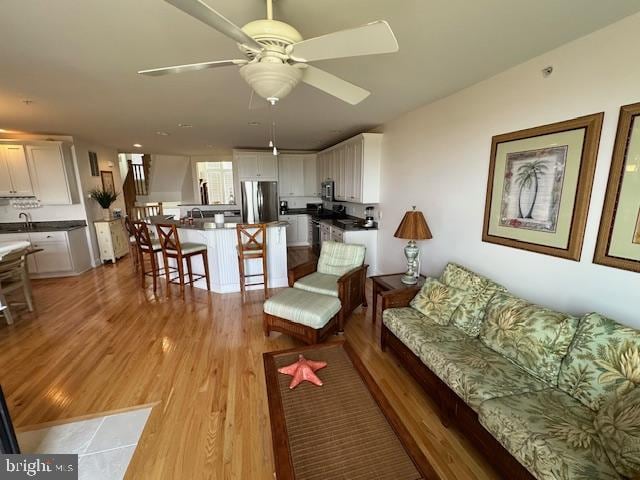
(104, 445)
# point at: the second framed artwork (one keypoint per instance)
(539, 186)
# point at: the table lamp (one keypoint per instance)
(412, 227)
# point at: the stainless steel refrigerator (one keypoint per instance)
(259, 202)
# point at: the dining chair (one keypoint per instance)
(14, 276)
(252, 244)
(142, 212)
(173, 249)
(133, 245)
(147, 245)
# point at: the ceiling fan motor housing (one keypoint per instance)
(272, 34)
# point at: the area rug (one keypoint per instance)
(344, 430)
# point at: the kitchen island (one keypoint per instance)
(222, 241)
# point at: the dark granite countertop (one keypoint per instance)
(53, 226)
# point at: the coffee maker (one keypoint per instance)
(284, 207)
(368, 219)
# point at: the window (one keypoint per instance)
(218, 177)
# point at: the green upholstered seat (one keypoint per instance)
(303, 307)
(550, 433)
(478, 290)
(475, 372)
(321, 283)
(415, 329)
(604, 359)
(339, 258)
(188, 247)
(535, 338)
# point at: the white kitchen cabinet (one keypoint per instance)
(337, 234)
(256, 165)
(310, 173)
(325, 232)
(15, 178)
(290, 175)
(113, 242)
(297, 229)
(354, 166)
(64, 253)
(52, 173)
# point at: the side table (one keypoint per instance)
(382, 283)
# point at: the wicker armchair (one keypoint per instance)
(339, 272)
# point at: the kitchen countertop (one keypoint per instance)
(53, 226)
(204, 225)
(347, 223)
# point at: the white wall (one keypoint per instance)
(168, 176)
(437, 157)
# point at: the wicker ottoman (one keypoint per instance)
(307, 316)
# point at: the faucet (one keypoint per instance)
(27, 224)
(199, 211)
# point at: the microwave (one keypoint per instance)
(327, 191)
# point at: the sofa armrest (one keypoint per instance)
(400, 297)
(352, 275)
(301, 270)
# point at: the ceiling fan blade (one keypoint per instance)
(191, 67)
(373, 38)
(333, 85)
(206, 14)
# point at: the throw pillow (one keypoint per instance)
(437, 301)
(618, 426)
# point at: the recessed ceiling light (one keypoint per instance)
(162, 134)
(253, 124)
(137, 145)
(185, 125)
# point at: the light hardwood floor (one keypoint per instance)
(99, 343)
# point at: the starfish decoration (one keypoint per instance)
(302, 370)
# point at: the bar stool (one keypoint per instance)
(14, 276)
(252, 244)
(145, 244)
(133, 245)
(172, 248)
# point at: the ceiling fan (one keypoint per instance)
(277, 55)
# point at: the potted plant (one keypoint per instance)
(104, 198)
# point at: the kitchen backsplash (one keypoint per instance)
(354, 209)
(300, 202)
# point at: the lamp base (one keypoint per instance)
(409, 279)
(411, 251)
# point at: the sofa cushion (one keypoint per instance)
(338, 258)
(321, 283)
(604, 359)
(550, 433)
(437, 301)
(305, 308)
(618, 426)
(470, 313)
(475, 372)
(534, 337)
(414, 329)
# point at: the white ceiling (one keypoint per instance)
(78, 60)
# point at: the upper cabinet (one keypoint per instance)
(53, 178)
(354, 166)
(297, 175)
(15, 180)
(256, 165)
(41, 170)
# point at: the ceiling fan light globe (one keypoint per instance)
(271, 80)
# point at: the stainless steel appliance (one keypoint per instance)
(259, 202)
(284, 207)
(327, 191)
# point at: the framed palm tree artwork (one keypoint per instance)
(619, 236)
(539, 186)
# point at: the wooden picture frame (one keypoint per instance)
(619, 203)
(108, 184)
(566, 154)
(93, 164)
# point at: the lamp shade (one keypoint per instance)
(413, 227)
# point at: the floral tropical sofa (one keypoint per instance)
(543, 394)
